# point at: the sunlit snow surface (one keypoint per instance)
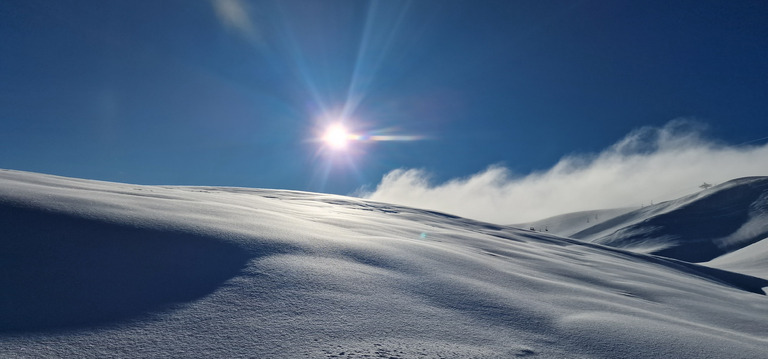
(95, 269)
(696, 228)
(752, 260)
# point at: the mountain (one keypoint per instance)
(568, 224)
(695, 228)
(95, 269)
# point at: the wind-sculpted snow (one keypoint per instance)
(62, 271)
(282, 274)
(566, 225)
(752, 260)
(695, 228)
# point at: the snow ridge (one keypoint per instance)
(95, 269)
(695, 228)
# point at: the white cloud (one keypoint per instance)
(649, 164)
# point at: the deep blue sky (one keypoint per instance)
(168, 92)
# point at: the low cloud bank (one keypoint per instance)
(650, 164)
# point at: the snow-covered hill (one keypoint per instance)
(694, 228)
(568, 224)
(752, 260)
(95, 269)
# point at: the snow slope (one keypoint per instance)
(752, 260)
(95, 269)
(568, 224)
(694, 228)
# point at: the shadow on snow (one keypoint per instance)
(61, 272)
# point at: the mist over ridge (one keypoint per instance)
(649, 165)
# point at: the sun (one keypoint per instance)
(336, 137)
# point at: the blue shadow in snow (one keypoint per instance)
(62, 272)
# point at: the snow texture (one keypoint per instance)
(752, 260)
(566, 225)
(94, 269)
(695, 228)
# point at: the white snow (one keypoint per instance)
(96, 269)
(752, 260)
(694, 228)
(568, 224)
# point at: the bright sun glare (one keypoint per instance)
(336, 137)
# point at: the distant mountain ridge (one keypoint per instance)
(696, 228)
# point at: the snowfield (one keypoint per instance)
(95, 269)
(696, 228)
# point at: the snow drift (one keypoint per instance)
(94, 269)
(695, 228)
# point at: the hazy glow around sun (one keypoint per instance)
(336, 136)
(340, 137)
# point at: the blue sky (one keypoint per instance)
(236, 93)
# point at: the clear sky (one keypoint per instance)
(238, 93)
